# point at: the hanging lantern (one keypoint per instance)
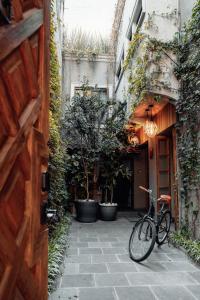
(133, 139)
(150, 127)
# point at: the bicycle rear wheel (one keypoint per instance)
(142, 240)
(163, 227)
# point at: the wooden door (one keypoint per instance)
(140, 177)
(24, 99)
(163, 166)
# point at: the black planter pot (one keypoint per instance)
(108, 212)
(86, 211)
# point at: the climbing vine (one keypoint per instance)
(145, 71)
(188, 108)
(57, 195)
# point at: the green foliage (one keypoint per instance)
(141, 81)
(133, 46)
(57, 249)
(188, 105)
(182, 239)
(111, 163)
(91, 126)
(83, 44)
(57, 195)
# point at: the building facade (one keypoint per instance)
(97, 71)
(144, 44)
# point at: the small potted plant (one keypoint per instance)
(112, 169)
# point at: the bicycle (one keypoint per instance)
(153, 228)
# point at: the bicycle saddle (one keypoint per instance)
(166, 198)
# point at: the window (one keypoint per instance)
(101, 92)
(120, 66)
(138, 12)
(137, 19)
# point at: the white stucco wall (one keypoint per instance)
(98, 72)
(167, 17)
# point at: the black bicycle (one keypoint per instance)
(153, 228)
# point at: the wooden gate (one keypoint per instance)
(24, 101)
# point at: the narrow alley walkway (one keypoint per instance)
(98, 267)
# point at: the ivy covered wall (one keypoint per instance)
(57, 195)
(188, 108)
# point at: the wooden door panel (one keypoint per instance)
(34, 43)
(140, 199)
(24, 102)
(163, 166)
(14, 76)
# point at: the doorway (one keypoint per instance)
(167, 168)
(140, 200)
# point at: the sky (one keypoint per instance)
(91, 15)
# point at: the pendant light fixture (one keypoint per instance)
(150, 127)
(132, 137)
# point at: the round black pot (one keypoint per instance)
(86, 211)
(108, 212)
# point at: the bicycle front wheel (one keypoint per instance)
(142, 240)
(163, 227)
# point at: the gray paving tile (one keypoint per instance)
(65, 294)
(195, 290)
(88, 239)
(78, 245)
(99, 244)
(196, 276)
(134, 293)
(93, 268)
(91, 250)
(179, 266)
(150, 266)
(78, 259)
(108, 239)
(121, 267)
(124, 258)
(104, 258)
(111, 280)
(97, 294)
(161, 278)
(165, 249)
(71, 269)
(177, 257)
(72, 251)
(172, 293)
(159, 257)
(79, 280)
(120, 244)
(114, 250)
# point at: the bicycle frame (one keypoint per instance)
(152, 212)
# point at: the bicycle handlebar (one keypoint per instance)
(144, 189)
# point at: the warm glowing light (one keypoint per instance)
(150, 128)
(133, 139)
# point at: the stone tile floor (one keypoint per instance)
(98, 267)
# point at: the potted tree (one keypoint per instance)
(112, 168)
(82, 129)
(112, 165)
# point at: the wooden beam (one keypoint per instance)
(16, 34)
